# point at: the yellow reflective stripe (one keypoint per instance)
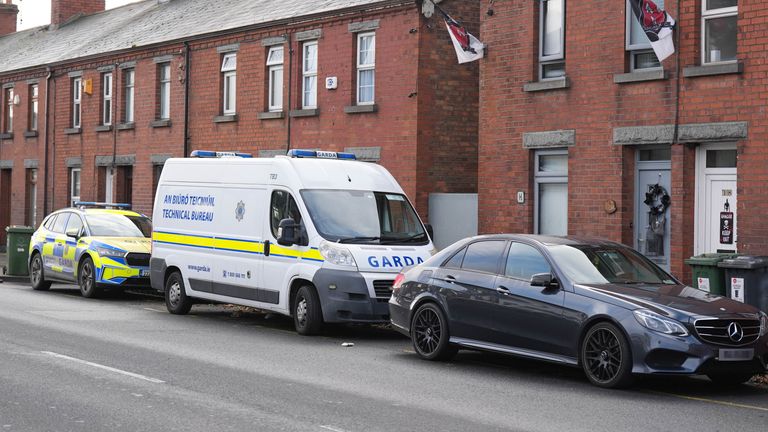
(239, 245)
(181, 239)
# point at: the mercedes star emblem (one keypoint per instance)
(735, 332)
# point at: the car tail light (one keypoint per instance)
(398, 283)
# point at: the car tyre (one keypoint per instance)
(429, 334)
(307, 314)
(730, 379)
(176, 300)
(37, 274)
(606, 357)
(86, 278)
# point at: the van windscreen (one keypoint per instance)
(350, 216)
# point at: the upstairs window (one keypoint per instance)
(641, 56)
(309, 73)
(129, 76)
(366, 68)
(106, 99)
(77, 100)
(551, 39)
(229, 82)
(33, 106)
(164, 91)
(8, 103)
(275, 74)
(719, 28)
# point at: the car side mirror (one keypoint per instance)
(430, 231)
(74, 233)
(544, 280)
(286, 232)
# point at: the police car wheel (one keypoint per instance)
(176, 300)
(37, 275)
(86, 278)
(307, 315)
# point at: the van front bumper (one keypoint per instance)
(345, 296)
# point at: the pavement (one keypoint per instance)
(124, 363)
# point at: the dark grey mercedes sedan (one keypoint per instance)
(589, 303)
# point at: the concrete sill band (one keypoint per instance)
(713, 69)
(271, 115)
(640, 76)
(359, 109)
(225, 118)
(553, 84)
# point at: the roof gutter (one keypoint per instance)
(187, 58)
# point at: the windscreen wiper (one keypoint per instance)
(358, 239)
(391, 240)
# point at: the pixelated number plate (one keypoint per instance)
(736, 354)
(144, 273)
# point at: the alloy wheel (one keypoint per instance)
(428, 331)
(174, 293)
(603, 355)
(37, 270)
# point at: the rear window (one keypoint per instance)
(484, 256)
(61, 222)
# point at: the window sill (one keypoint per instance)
(104, 128)
(308, 112)
(713, 69)
(161, 123)
(551, 84)
(30, 134)
(228, 118)
(6, 136)
(271, 115)
(72, 131)
(126, 126)
(359, 109)
(640, 76)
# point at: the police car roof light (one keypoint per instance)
(216, 154)
(298, 153)
(84, 204)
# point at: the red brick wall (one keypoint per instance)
(62, 10)
(594, 106)
(8, 14)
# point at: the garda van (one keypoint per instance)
(314, 235)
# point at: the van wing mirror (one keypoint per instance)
(286, 232)
(544, 280)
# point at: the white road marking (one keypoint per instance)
(106, 368)
(331, 428)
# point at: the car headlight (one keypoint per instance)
(336, 254)
(763, 324)
(658, 323)
(106, 252)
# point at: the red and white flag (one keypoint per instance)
(657, 24)
(467, 47)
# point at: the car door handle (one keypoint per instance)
(450, 279)
(503, 290)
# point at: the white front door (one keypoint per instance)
(716, 209)
(109, 187)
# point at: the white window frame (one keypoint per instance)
(8, 115)
(34, 106)
(164, 91)
(72, 197)
(707, 14)
(366, 67)
(129, 76)
(229, 83)
(553, 58)
(107, 81)
(545, 177)
(308, 74)
(275, 68)
(637, 48)
(77, 102)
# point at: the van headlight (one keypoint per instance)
(763, 323)
(336, 254)
(658, 323)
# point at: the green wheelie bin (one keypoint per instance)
(17, 243)
(707, 275)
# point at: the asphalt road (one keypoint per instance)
(124, 364)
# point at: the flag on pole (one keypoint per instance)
(657, 24)
(467, 47)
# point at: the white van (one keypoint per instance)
(314, 235)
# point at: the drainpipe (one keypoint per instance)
(187, 58)
(45, 140)
(290, 87)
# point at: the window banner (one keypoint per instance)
(657, 24)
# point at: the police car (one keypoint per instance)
(95, 245)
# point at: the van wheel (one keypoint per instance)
(307, 315)
(176, 300)
(86, 278)
(37, 275)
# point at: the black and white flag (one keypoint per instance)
(657, 24)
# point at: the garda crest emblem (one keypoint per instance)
(240, 211)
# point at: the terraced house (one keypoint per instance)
(587, 133)
(95, 102)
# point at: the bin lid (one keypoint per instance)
(21, 229)
(745, 262)
(709, 259)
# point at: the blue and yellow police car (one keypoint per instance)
(96, 245)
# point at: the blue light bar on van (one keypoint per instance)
(215, 154)
(320, 154)
(83, 204)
